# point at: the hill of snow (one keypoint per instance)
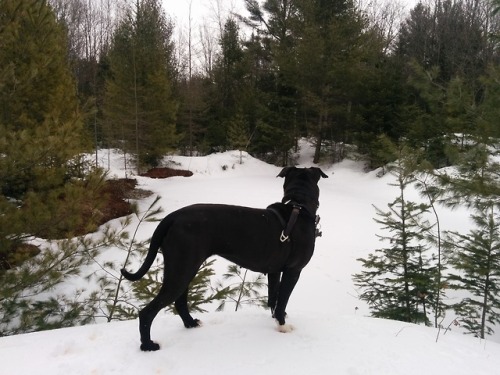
(332, 333)
(247, 342)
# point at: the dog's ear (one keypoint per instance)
(285, 171)
(321, 173)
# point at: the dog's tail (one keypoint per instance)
(154, 245)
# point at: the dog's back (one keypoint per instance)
(246, 236)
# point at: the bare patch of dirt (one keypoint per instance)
(114, 194)
(164, 172)
(18, 255)
(115, 199)
(112, 202)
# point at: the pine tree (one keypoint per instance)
(112, 299)
(476, 260)
(140, 109)
(245, 290)
(238, 135)
(476, 256)
(200, 291)
(452, 36)
(45, 184)
(46, 188)
(398, 281)
(426, 184)
(425, 117)
(27, 298)
(227, 89)
(274, 107)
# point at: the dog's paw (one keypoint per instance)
(275, 316)
(193, 324)
(149, 346)
(280, 318)
(285, 328)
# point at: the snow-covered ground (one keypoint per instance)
(332, 334)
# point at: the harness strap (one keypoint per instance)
(288, 226)
(285, 234)
(278, 215)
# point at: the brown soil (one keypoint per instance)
(118, 192)
(113, 203)
(20, 253)
(166, 172)
(115, 194)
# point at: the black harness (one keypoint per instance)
(289, 225)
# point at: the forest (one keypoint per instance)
(362, 79)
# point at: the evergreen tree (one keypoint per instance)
(399, 281)
(334, 64)
(323, 75)
(44, 183)
(452, 36)
(140, 109)
(228, 85)
(432, 192)
(442, 118)
(112, 299)
(238, 135)
(245, 290)
(270, 53)
(192, 119)
(448, 49)
(46, 187)
(377, 105)
(425, 118)
(475, 258)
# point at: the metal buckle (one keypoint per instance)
(283, 238)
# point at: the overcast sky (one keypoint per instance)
(207, 9)
(204, 15)
(201, 10)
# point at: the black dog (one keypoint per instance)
(278, 241)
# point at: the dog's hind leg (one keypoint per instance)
(182, 309)
(147, 315)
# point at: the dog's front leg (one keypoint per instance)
(288, 282)
(273, 284)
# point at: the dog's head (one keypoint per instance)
(301, 186)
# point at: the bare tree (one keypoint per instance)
(89, 25)
(384, 17)
(189, 82)
(208, 44)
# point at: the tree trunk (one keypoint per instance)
(319, 139)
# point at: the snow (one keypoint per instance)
(332, 333)
(247, 342)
